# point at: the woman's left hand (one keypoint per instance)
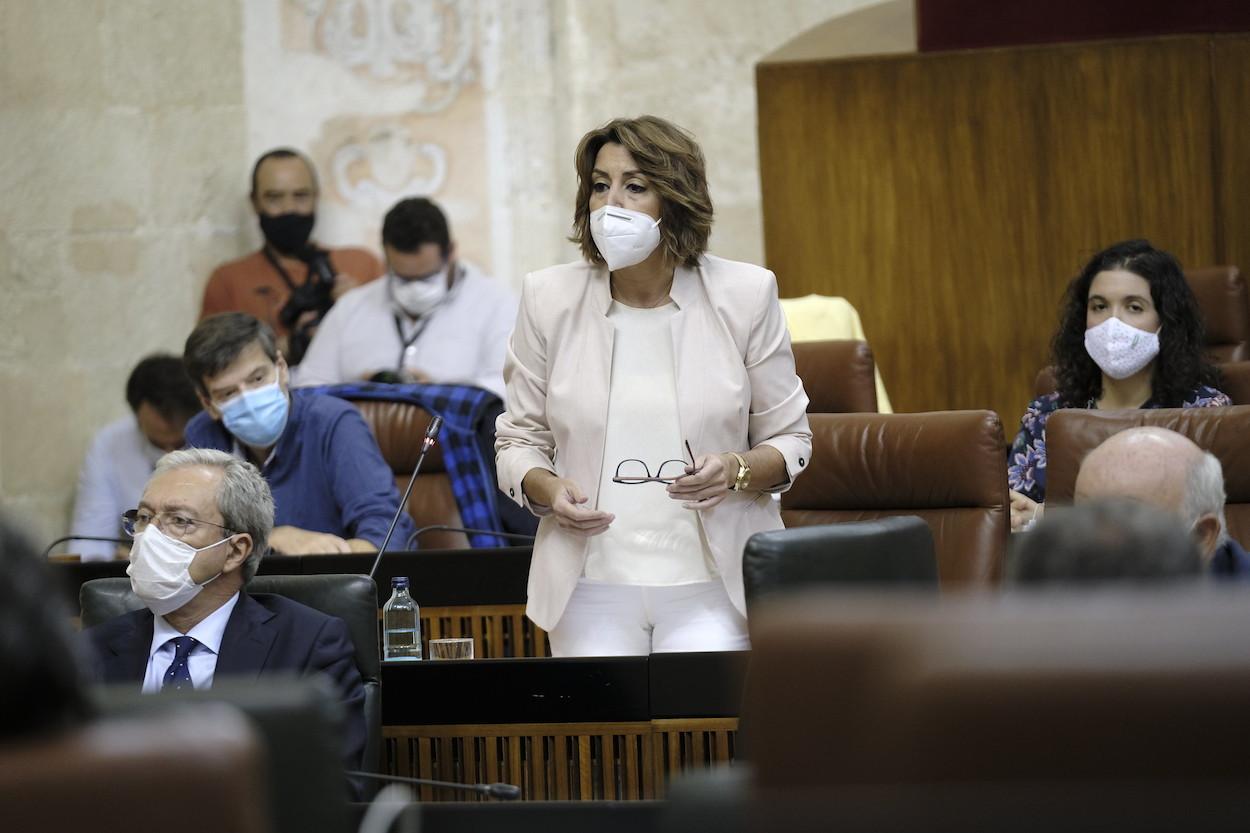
(705, 484)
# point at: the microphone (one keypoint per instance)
(426, 444)
(511, 536)
(62, 540)
(507, 792)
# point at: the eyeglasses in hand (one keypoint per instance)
(633, 471)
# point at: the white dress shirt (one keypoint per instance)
(201, 662)
(117, 467)
(463, 340)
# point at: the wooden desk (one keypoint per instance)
(582, 729)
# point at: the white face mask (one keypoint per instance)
(624, 237)
(1120, 349)
(417, 298)
(160, 570)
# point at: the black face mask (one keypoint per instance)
(288, 233)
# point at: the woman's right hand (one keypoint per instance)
(1024, 510)
(567, 502)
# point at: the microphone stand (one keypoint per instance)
(427, 443)
(65, 538)
(506, 792)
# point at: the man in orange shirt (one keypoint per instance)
(290, 283)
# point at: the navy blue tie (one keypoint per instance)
(178, 677)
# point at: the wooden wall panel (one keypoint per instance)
(1231, 75)
(950, 197)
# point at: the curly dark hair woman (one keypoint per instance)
(1178, 369)
(1130, 336)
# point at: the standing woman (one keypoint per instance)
(1130, 336)
(652, 406)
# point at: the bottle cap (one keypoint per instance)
(399, 581)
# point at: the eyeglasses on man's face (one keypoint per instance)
(174, 524)
(633, 471)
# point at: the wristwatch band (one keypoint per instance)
(743, 478)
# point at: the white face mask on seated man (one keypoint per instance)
(160, 570)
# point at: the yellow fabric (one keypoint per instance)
(823, 317)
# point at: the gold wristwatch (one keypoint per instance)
(743, 478)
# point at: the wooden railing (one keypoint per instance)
(561, 761)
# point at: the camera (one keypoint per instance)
(315, 295)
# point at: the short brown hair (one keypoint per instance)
(671, 160)
(219, 339)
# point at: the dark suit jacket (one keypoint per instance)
(265, 634)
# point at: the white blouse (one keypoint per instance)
(653, 540)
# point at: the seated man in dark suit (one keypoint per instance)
(1167, 471)
(200, 531)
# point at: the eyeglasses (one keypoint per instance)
(634, 471)
(171, 523)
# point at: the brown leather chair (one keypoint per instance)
(1222, 297)
(1225, 432)
(193, 769)
(974, 697)
(838, 376)
(398, 428)
(948, 467)
(1235, 381)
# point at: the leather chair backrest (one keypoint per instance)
(1114, 686)
(1222, 297)
(946, 467)
(190, 770)
(838, 376)
(1225, 432)
(1045, 382)
(885, 551)
(1235, 381)
(296, 719)
(398, 427)
(352, 598)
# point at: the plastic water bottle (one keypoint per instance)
(401, 624)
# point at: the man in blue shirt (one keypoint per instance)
(1166, 470)
(333, 491)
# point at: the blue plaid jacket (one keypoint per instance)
(462, 408)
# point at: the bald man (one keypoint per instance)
(1167, 470)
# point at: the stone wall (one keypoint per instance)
(128, 127)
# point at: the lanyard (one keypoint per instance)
(273, 261)
(405, 343)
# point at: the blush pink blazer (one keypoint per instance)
(736, 389)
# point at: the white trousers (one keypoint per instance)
(606, 620)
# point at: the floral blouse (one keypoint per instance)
(1026, 465)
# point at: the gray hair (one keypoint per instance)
(243, 498)
(1109, 540)
(1204, 493)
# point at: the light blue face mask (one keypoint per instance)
(257, 417)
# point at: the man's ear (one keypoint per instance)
(240, 548)
(207, 404)
(284, 372)
(1207, 533)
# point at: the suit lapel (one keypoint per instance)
(690, 347)
(596, 381)
(248, 638)
(127, 660)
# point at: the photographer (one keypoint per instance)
(291, 282)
